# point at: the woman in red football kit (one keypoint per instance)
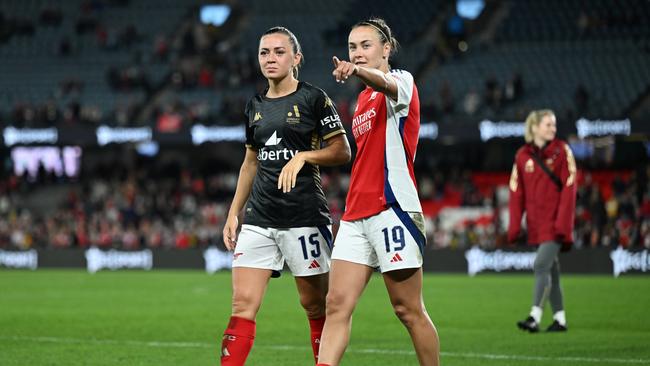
(286, 216)
(543, 184)
(383, 226)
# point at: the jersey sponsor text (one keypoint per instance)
(274, 155)
(363, 122)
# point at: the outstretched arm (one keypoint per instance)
(374, 78)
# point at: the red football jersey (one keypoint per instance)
(386, 134)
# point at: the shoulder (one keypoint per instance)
(557, 144)
(312, 90)
(255, 99)
(522, 151)
(560, 143)
(401, 74)
(523, 154)
(563, 147)
(316, 96)
(252, 102)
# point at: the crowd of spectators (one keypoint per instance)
(131, 211)
(611, 211)
(620, 217)
(186, 209)
(183, 209)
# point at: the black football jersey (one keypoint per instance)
(277, 129)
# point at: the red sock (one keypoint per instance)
(237, 341)
(322, 364)
(316, 326)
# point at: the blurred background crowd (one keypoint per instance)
(169, 65)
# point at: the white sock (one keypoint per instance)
(536, 313)
(560, 317)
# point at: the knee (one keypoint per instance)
(314, 305)
(336, 303)
(244, 303)
(408, 315)
(541, 266)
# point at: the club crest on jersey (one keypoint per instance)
(373, 95)
(293, 117)
(257, 117)
(549, 163)
(530, 166)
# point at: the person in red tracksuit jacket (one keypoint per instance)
(548, 197)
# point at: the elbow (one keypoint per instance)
(342, 153)
(249, 166)
(345, 155)
(339, 152)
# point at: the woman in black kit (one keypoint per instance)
(286, 217)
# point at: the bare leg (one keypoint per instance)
(248, 288)
(347, 282)
(405, 291)
(312, 291)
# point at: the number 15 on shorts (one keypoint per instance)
(313, 247)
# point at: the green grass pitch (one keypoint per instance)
(70, 317)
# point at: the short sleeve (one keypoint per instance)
(250, 141)
(329, 123)
(404, 81)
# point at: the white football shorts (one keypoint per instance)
(390, 240)
(306, 250)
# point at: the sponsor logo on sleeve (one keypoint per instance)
(331, 122)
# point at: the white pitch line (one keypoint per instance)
(487, 356)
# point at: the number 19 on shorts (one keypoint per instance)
(398, 241)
